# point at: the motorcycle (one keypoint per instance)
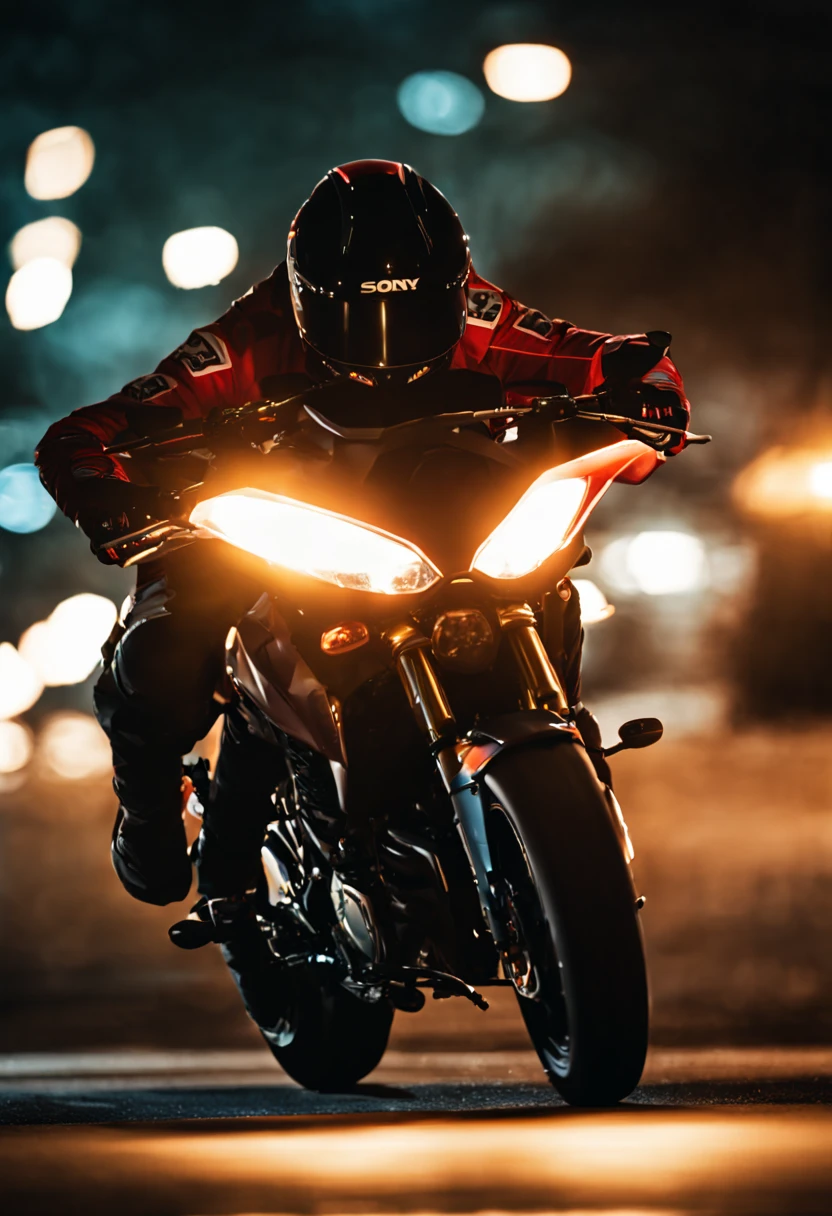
(441, 825)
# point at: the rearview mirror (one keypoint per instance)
(640, 732)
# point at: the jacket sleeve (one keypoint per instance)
(213, 367)
(514, 342)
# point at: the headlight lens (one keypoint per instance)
(534, 529)
(319, 543)
(463, 640)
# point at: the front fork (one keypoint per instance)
(540, 683)
(460, 761)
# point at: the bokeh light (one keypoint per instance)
(66, 648)
(656, 563)
(55, 237)
(59, 162)
(199, 257)
(527, 71)
(595, 606)
(16, 747)
(38, 293)
(25, 506)
(441, 103)
(73, 746)
(20, 684)
(820, 479)
(785, 482)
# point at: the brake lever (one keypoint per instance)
(161, 441)
(161, 532)
(222, 424)
(177, 527)
(656, 428)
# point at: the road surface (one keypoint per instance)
(190, 1133)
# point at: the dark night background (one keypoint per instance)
(682, 182)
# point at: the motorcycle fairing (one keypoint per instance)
(265, 664)
(628, 461)
(445, 530)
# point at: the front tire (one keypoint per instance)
(577, 957)
(328, 1039)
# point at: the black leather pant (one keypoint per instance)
(156, 699)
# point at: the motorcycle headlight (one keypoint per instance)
(463, 640)
(315, 542)
(543, 521)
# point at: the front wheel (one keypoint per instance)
(328, 1039)
(576, 956)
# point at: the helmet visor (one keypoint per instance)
(384, 328)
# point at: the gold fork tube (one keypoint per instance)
(541, 683)
(421, 683)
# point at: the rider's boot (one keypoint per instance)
(149, 847)
(150, 857)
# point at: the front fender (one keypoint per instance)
(492, 738)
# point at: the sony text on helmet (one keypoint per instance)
(388, 285)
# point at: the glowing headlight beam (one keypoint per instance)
(310, 540)
(555, 507)
(535, 528)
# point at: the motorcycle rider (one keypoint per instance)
(377, 287)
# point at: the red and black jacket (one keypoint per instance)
(225, 363)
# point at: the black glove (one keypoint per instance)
(109, 508)
(625, 363)
(646, 403)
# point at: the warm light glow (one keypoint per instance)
(534, 529)
(349, 635)
(656, 563)
(25, 506)
(595, 606)
(527, 71)
(15, 747)
(442, 103)
(820, 479)
(20, 684)
(54, 237)
(66, 648)
(59, 162)
(315, 542)
(38, 293)
(73, 746)
(785, 482)
(199, 257)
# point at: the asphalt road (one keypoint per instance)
(189, 1133)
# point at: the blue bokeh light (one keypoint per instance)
(442, 103)
(24, 504)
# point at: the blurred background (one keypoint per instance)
(661, 167)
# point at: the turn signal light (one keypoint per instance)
(348, 635)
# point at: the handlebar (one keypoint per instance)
(240, 426)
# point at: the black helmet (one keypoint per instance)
(378, 263)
